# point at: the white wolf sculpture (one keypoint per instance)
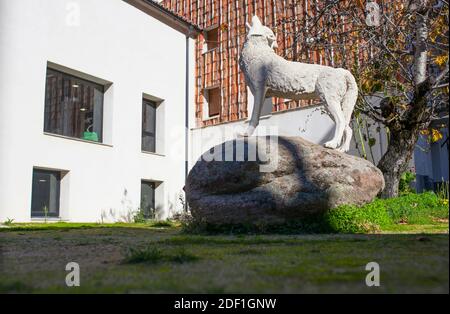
(269, 75)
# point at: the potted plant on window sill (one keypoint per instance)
(89, 135)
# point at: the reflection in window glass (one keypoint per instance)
(148, 199)
(73, 107)
(45, 193)
(148, 126)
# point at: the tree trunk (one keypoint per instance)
(396, 159)
(405, 133)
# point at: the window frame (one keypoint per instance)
(207, 93)
(215, 44)
(153, 186)
(151, 103)
(41, 213)
(92, 84)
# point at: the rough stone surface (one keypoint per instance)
(308, 179)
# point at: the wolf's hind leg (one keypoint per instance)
(334, 108)
(348, 133)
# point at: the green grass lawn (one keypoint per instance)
(157, 258)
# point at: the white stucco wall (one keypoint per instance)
(309, 123)
(115, 42)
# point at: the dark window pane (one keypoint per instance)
(73, 106)
(214, 101)
(148, 126)
(45, 193)
(148, 199)
(212, 38)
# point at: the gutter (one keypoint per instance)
(186, 108)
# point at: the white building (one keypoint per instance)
(97, 111)
(95, 100)
(91, 93)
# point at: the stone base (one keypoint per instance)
(298, 178)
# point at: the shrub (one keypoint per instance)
(422, 208)
(410, 208)
(404, 186)
(139, 216)
(353, 219)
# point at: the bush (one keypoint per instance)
(404, 186)
(411, 208)
(422, 208)
(139, 216)
(353, 219)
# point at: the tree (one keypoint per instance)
(398, 51)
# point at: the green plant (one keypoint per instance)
(45, 209)
(152, 255)
(8, 222)
(149, 254)
(162, 224)
(182, 256)
(139, 216)
(353, 219)
(422, 208)
(443, 192)
(404, 185)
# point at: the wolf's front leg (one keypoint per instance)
(259, 97)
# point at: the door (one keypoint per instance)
(45, 193)
(148, 198)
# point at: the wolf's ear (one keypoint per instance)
(248, 26)
(256, 21)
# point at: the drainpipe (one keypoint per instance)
(186, 121)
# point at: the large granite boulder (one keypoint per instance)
(306, 179)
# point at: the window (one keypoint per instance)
(73, 106)
(213, 98)
(149, 126)
(45, 193)
(148, 198)
(212, 39)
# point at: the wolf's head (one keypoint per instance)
(257, 29)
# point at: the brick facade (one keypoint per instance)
(218, 67)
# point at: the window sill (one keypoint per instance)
(154, 154)
(211, 118)
(209, 50)
(49, 219)
(77, 139)
(267, 116)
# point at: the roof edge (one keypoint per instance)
(166, 16)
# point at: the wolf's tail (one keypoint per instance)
(350, 97)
